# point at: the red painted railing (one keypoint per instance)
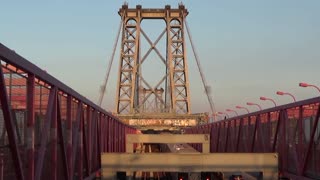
(292, 130)
(48, 130)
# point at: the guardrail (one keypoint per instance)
(48, 129)
(292, 130)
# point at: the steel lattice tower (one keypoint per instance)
(134, 93)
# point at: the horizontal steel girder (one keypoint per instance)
(267, 163)
(167, 139)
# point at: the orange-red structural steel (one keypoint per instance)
(48, 130)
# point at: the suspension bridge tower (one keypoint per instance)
(166, 102)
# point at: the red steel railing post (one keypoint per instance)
(96, 140)
(118, 136)
(211, 137)
(76, 137)
(277, 131)
(62, 145)
(227, 123)
(239, 135)
(300, 138)
(6, 110)
(260, 135)
(100, 132)
(123, 138)
(69, 136)
(284, 149)
(112, 135)
(102, 120)
(30, 126)
(99, 148)
(93, 144)
(53, 138)
(85, 146)
(109, 134)
(45, 132)
(248, 142)
(256, 126)
(115, 140)
(104, 134)
(218, 137)
(80, 146)
(311, 143)
(269, 133)
(89, 138)
(234, 139)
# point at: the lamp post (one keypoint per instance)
(286, 93)
(269, 99)
(254, 104)
(240, 107)
(224, 113)
(230, 110)
(309, 85)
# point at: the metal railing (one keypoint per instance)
(49, 130)
(292, 130)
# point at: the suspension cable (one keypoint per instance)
(104, 85)
(206, 87)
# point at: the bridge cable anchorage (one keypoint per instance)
(204, 82)
(104, 85)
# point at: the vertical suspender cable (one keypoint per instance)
(206, 87)
(104, 85)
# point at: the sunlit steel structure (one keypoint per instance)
(133, 91)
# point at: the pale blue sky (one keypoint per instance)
(247, 48)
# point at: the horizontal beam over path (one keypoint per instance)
(167, 139)
(267, 163)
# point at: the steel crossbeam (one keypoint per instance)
(267, 163)
(204, 139)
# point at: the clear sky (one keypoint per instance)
(247, 48)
